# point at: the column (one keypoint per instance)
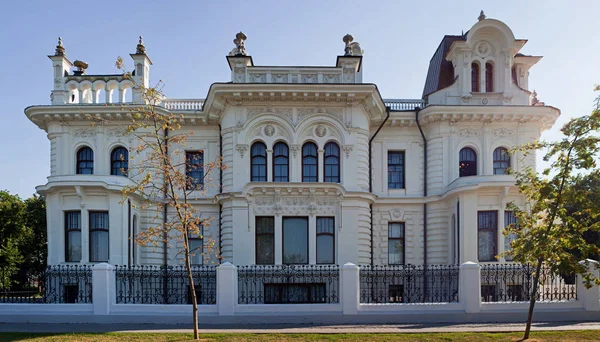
(226, 289)
(269, 165)
(470, 287)
(350, 283)
(278, 240)
(312, 240)
(103, 288)
(320, 168)
(85, 234)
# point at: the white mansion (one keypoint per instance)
(320, 168)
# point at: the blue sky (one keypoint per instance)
(188, 40)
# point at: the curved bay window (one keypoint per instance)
(489, 77)
(501, 161)
(258, 162)
(281, 163)
(467, 162)
(332, 163)
(119, 161)
(474, 77)
(310, 163)
(85, 161)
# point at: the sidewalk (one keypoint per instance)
(296, 328)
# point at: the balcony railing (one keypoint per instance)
(404, 104)
(183, 104)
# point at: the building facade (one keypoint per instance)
(320, 168)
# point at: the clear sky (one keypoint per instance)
(188, 40)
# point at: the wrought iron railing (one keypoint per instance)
(409, 284)
(514, 283)
(404, 104)
(58, 284)
(165, 285)
(288, 284)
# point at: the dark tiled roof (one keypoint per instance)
(441, 72)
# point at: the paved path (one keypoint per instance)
(297, 328)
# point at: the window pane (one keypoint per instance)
(265, 241)
(395, 251)
(119, 159)
(309, 163)
(295, 240)
(396, 230)
(194, 169)
(74, 245)
(395, 170)
(325, 248)
(509, 218)
(99, 245)
(196, 249)
(487, 220)
(332, 163)
(467, 162)
(85, 161)
(258, 162)
(487, 245)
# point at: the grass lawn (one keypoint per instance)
(566, 336)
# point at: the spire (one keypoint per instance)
(481, 16)
(141, 49)
(60, 49)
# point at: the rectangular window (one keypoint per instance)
(487, 229)
(509, 218)
(325, 240)
(73, 236)
(99, 244)
(197, 247)
(395, 169)
(295, 240)
(194, 169)
(396, 243)
(265, 240)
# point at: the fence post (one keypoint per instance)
(103, 288)
(350, 281)
(226, 288)
(590, 297)
(470, 286)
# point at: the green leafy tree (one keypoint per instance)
(548, 233)
(34, 243)
(12, 230)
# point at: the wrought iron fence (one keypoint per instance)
(288, 284)
(165, 285)
(58, 284)
(514, 283)
(409, 284)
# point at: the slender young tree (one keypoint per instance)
(548, 234)
(167, 180)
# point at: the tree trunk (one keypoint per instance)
(192, 287)
(536, 281)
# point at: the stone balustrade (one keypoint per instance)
(95, 89)
(293, 75)
(183, 104)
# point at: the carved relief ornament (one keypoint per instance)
(469, 132)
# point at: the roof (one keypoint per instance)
(441, 72)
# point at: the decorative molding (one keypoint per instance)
(348, 149)
(503, 132)
(258, 78)
(483, 49)
(269, 130)
(469, 132)
(242, 148)
(396, 214)
(309, 78)
(295, 149)
(279, 78)
(320, 131)
(84, 132)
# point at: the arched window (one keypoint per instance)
(119, 161)
(332, 163)
(474, 77)
(281, 163)
(489, 77)
(501, 161)
(85, 161)
(310, 163)
(467, 162)
(258, 162)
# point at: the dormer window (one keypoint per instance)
(474, 77)
(489, 78)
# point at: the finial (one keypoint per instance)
(60, 49)
(481, 16)
(141, 49)
(534, 99)
(81, 66)
(347, 40)
(240, 46)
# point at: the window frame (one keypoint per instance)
(92, 229)
(493, 230)
(316, 165)
(500, 150)
(256, 238)
(69, 229)
(124, 161)
(196, 167)
(253, 157)
(402, 238)
(489, 77)
(402, 166)
(79, 161)
(326, 166)
(275, 156)
(332, 234)
(283, 240)
(475, 72)
(460, 162)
